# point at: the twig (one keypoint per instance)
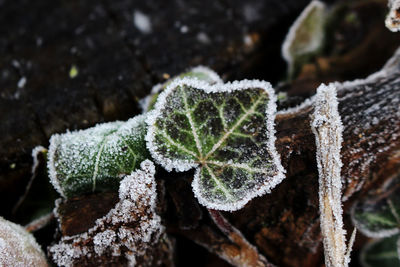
(327, 128)
(247, 255)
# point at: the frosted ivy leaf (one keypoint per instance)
(381, 252)
(97, 158)
(306, 34)
(18, 248)
(199, 72)
(378, 216)
(225, 131)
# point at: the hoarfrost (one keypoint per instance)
(96, 158)
(18, 247)
(128, 230)
(327, 127)
(392, 21)
(225, 131)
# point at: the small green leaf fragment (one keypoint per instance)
(97, 158)
(225, 131)
(73, 72)
(200, 72)
(381, 252)
(306, 34)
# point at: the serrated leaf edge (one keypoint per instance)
(184, 165)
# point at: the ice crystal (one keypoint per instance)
(327, 128)
(96, 158)
(128, 230)
(381, 252)
(199, 72)
(225, 131)
(392, 21)
(18, 248)
(142, 22)
(306, 34)
(379, 216)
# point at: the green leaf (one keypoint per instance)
(381, 252)
(225, 131)
(200, 72)
(97, 158)
(306, 34)
(378, 216)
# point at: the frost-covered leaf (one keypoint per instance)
(18, 248)
(381, 252)
(126, 232)
(225, 131)
(97, 158)
(306, 34)
(379, 216)
(199, 72)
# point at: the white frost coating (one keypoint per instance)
(55, 140)
(132, 224)
(18, 248)
(327, 127)
(392, 21)
(214, 77)
(142, 22)
(184, 165)
(35, 154)
(315, 42)
(144, 103)
(76, 143)
(306, 104)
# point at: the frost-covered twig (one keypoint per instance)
(327, 127)
(36, 152)
(40, 222)
(248, 255)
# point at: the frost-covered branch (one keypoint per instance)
(327, 127)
